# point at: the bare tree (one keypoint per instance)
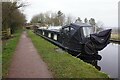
(86, 20)
(61, 18)
(100, 25)
(10, 8)
(92, 22)
(68, 19)
(78, 19)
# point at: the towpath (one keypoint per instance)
(26, 62)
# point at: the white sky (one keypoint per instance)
(102, 10)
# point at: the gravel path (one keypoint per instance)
(27, 63)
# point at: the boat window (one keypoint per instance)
(87, 31)
(66, 29)
(72, 29)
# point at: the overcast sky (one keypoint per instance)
(102, 10)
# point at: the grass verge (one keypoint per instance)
(8, 49)
(63, 65)
(115, 36)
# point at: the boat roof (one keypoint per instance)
(82, 24)
(77, 25)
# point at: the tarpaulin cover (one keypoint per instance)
(98, 41)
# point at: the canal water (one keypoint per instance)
(109, 61)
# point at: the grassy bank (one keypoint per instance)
(63, 65)
(8, 49)
(115, 36)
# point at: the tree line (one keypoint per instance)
(12, 16)
(49, 18)
(59, 19)
(52, 18)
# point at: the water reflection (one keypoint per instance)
(108, 63)
(92, 59)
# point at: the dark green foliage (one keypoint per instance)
(12, 17)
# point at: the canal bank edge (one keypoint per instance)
(64, 65)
